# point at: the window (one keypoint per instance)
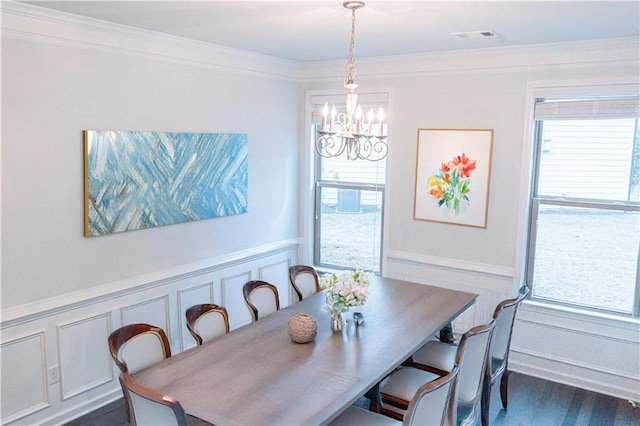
(584, 236)
(349, 202)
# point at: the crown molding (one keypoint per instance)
(623, 51)
(27, 22)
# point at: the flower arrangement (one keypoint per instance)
(345, 290)
(450, 186)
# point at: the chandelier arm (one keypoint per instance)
(327, 147)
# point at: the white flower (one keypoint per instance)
(345, 290)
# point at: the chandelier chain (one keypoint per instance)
(350, 72)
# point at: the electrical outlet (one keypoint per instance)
(54, 374)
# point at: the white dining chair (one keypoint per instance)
(432, 404)
(438, 358)
(135, 347)
(207, 321)
(504, 316)
(261, 298)
(150, 408)
(304, 280)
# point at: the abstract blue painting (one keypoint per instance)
(136, 180)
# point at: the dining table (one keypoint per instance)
(256, 375)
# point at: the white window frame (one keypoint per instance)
(558, 89)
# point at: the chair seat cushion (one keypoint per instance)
(357, 416)
(404, 382)
(437, 354)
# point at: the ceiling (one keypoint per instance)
(306, 31)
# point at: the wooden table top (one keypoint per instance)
(256, 375)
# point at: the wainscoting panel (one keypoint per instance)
(84, 362)
(152, 311)
(24, 377)
(56, 364)
(233, 299)
(274, 274)
(188, 297)
(573, 348)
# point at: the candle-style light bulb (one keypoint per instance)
(369, 120)
(380, 120)
(358, 119)
(325, 113)
(333, 117)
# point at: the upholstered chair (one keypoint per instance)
(438, 358)
(504, 316)
(207, 321)
(431, 405)
(148, 407)
(304, 280)
(261, 297)
(135, 347)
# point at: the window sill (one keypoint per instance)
(579, 319)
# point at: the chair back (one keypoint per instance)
(135, 347)
(434, 402)
(474, 363)
(207, 321)
(304, 280)
(504, 316)
(148, 407)
(261, 298)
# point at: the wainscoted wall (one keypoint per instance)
(56, 364)
(582, 349)
(598, 353)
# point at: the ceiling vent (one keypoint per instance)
(474, 34)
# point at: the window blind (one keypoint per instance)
(587, 108)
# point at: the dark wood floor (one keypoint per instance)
(532, 402)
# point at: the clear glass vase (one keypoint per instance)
(337, 321)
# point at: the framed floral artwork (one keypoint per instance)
(453, 168)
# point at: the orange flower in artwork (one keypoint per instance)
(436, 191)
(435, 186)
(445, 169)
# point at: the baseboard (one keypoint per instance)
(559, 375)
(83, 408)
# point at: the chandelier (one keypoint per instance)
(352, 132)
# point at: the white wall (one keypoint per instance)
(52, 91)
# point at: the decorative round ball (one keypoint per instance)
(302, 328)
